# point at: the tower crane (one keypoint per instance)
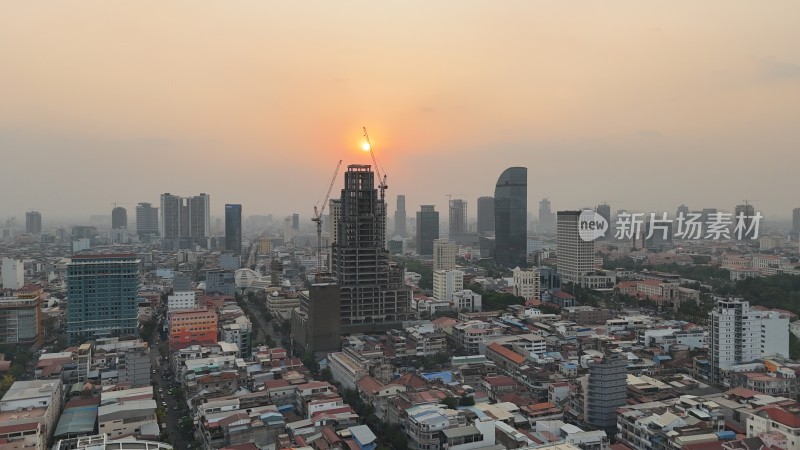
(382, 186)
(318, 220)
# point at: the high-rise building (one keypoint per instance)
(200, 217)
(747, 211)
(527, 283)
(193, 326)
(102, 296)
(604, 209)
(446, 283)
(427, 229)
(400, 217)
(575, 257)
(146, 220)
(739, 335)
(796, 219)
(334, 214)
(485, 215)
(372, 291)
(682, 210)
(546, 216)
(444, 254)
(13, 274)
(187, 219)
(33, 222)
(119, 218)
(295, 221)
(734, 337)
(170, 226)
(511, 217)
(606, 390)
(458, 217)
(316, 324)
(21, 318)
(233, 228)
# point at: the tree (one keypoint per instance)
(450, 401)
(794, 346)
(466, 400)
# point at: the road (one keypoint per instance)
(263, 323)
(161, 390)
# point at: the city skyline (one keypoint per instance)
(475, 89)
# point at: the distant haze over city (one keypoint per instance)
(645, 105)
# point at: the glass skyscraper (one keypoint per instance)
(511, 217)
(101, 290)
(233, 228)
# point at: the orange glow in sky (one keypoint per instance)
(636, 99)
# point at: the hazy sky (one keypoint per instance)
(644, 104)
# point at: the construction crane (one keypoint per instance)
(382, 186)
(318, 220)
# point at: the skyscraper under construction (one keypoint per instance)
(373, 295)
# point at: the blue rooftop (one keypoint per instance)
(446, 377)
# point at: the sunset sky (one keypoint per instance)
(645, 104)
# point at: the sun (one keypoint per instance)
(365, 146)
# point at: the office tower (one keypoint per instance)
(316, 323)
(400, 217)
(748, 212)
(485, 215)
(13, 274)
(546, 216)
(662, 233)
(200, 218)
(606, 390)
(21, 318)
(233, 228)
(796, 219)
(295, 221)
(146, 220)
(735, 336)
(102, 296)
(119, 218)
(444, 254)
(575, 257)
(458, 217)
(334, 214)
(170, 227)
(427, 229)
(604, 209)
(372, 291)
(33, 222)
(511, 217)
(683, 210)
(187, 219)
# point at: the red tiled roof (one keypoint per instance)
(514, 357)
(562, 294)
(541, 406)
(272, 384)
(783, 417)
(411, 379)
(500, 380)
(369, 384)
(742, 392)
